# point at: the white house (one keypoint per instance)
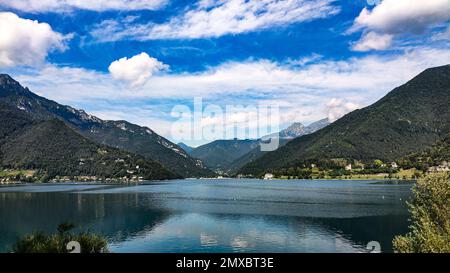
(444, 167)
(268, 176)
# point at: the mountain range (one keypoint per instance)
(117, 134)
(219, 154)
(297, 129)
(408, 119)
(54, 139)
(53, 149)
(228, 156)
(188, 149)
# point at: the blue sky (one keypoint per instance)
(136, 60)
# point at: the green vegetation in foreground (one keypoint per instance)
(57, 243)
(430, 217)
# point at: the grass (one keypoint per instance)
(14, 173)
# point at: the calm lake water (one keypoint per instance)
(215, 215)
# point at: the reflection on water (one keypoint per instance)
(215, 215)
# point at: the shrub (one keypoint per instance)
(40, 242)
(430, 217)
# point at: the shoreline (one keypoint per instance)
(144, 182)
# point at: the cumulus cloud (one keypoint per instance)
(397, 17)
(373, 41)
(135, 70)
(26, 42)
(217, 18)
(336, 108)
(68, 5)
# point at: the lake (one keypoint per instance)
(212, 215)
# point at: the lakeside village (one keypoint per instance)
(8, 176)
(13, 176)
(332, 169)
(341, 169)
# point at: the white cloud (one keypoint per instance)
(444, 35)
(68, 5)
(394, 18)
(373, 41)
(135, 70)
(217, 18)
(265, 77)
(370, 76)
(26, 42)
(337, 108)
(302, 92)
(399, 16)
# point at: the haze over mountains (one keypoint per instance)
(119, 134)
(409, 119)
